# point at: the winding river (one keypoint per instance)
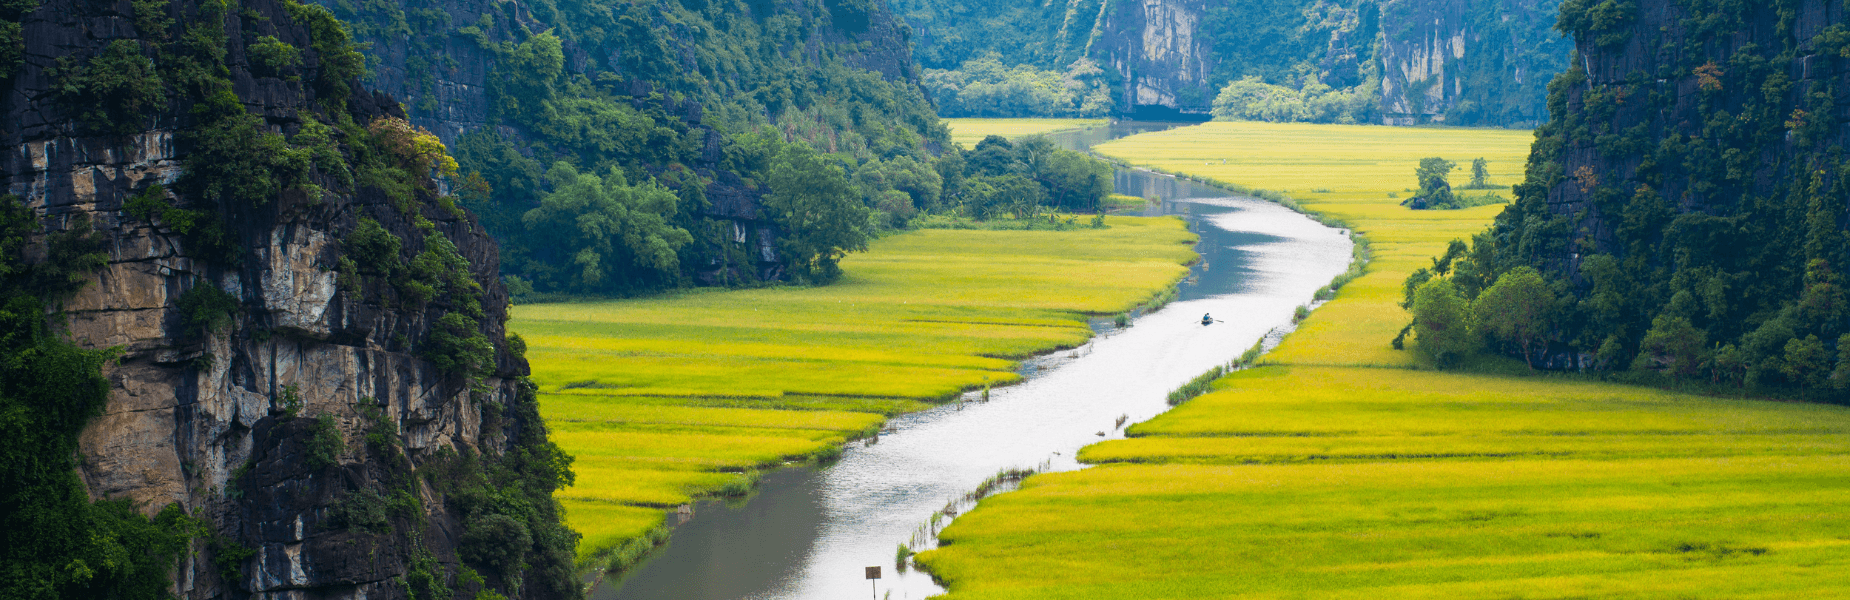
(810, 532)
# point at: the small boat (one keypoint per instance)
(1207, 320)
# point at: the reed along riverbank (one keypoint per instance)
(1343, 468)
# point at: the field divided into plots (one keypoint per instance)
(1342, 468)
(666, 399)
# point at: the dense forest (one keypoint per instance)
(1684, 213)
(1469, 62)
(622, 148)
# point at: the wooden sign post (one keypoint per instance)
(873, 576)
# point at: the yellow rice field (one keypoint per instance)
(970, 131)
(1341, 468)
(662, 400)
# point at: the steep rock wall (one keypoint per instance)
(1162, 58)
(218, 423)
(1468, 62)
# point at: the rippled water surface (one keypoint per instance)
(809, 533)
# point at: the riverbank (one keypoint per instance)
(1341, 467)
(663, 400)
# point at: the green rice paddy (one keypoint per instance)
(663, 400)
(1342, 468)
(970, 131)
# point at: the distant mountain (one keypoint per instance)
(1464, 62)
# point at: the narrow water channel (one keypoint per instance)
(809, 533)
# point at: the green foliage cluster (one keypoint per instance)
(1021, 179)
(325, 444)
(1250, 99)
(985, 87)
(620, 230)
(1719, 254)
(205, 309)
(119, 87)
(750, 67)
(12, 35)
(1436, 193)
(512, 534)
(54, 541)
(1516, 314)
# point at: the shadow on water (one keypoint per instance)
(809, 532)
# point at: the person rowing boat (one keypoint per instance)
(1206, 319)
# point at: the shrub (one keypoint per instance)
(1441, 323)
(325, 445)
(497, 542)
(205, 309)
(1518, 311)
(274, 56)
(362, 509)
(372, 247)
(118, 87)
(457, 347)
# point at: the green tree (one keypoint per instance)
(1840, 378)
(1432, 174)
(1441, 323)
(119, 86)
(818, 216)
(1517, 311)
(610, 228)
(1480, 174)
(1674, 346)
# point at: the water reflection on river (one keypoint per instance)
(808, 533)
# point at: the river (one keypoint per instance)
(809, 532)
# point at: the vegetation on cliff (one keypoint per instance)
(680, 97)
(54, 541)
(1701, 238)
(328, 158)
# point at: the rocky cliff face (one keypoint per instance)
(234, 423)
(1162, 59)
(1659, 73)
(1468, 62)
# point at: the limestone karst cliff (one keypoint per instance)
(1469, 62)
(313, 360)
(1689, 194)
(1163, 59)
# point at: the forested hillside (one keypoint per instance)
(1685, 211)
(675, 118)
(1462, 62)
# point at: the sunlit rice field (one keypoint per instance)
(663, 400)
(1342, 468)
(970, 131)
